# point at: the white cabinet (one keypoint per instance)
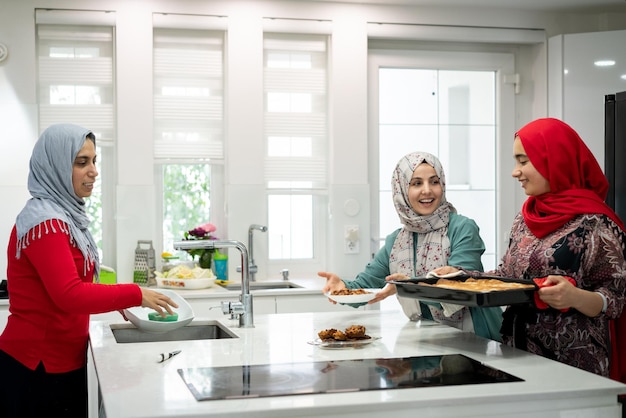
(312, 303)
(211, 307)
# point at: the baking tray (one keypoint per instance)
(412, 289)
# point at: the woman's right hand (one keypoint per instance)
(333, 282)
(440, 271)
(157, 301)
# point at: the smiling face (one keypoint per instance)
(532, 181)
(84, 170)
(425, 190)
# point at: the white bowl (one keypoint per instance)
(190, 284)
(138, 315)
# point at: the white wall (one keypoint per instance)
(578, 96)
(349, 164)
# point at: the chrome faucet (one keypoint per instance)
(243, 308)
(253, 267)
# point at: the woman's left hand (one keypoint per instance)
(558, 292)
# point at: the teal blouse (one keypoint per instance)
(466, 248)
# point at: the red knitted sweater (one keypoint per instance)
(50, 300)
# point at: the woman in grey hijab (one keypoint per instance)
(52, 274)
(433, 235)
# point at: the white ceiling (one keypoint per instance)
(529, 5)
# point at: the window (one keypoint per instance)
(188, 130)
(296, 139)
(76, 74)
(444, 105)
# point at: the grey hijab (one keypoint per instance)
(52, 191)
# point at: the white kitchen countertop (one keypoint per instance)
(133, 384)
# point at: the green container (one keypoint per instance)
(107, 275)
(220, 261)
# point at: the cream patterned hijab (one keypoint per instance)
(50, 185)
(433, 247)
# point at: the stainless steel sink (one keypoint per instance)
(201, 330)
(263, 285)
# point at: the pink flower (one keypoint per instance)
(201, 232)
(208, 227)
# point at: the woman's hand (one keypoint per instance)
(560, 293)
(157, 301)
(389, 289)
(121, 311)
(333, 282)
(440, 271)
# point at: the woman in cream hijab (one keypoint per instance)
(433, 235)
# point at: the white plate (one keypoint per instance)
(190, 284)
(138, 315)
(365, 297)
(343, 344)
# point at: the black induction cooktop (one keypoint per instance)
(211, 383)
(4, 292)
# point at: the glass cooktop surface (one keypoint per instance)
(211, 383)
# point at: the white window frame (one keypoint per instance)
(317, 168)
(503, 64)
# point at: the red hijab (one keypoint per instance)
(577, 183)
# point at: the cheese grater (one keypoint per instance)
(144, 264)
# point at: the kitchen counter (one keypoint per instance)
(133, 384)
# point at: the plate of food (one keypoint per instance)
(184, 277)
(352, 295)
(147, 319)
(352, 337)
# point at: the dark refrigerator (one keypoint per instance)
(615, 151)
(615, 171)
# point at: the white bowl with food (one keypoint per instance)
(148, 320)
(185, 278)
(352, 295)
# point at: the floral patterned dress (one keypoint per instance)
(590, 249)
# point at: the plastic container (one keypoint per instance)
(169, 263)
(220, 261)
(107, 275)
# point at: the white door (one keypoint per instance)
(455, 105)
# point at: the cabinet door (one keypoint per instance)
(210, 308)
(313, 303)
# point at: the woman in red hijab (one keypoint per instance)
(566, 234)
(572, 244)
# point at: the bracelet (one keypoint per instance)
(604, 302)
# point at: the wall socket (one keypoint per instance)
(351, 239)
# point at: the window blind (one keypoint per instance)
(188, 94)
(75, 64)
(76, 84)
(295, 121)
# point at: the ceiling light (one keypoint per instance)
(623, 77)
(604, 63)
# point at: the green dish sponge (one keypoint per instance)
(155, 316)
